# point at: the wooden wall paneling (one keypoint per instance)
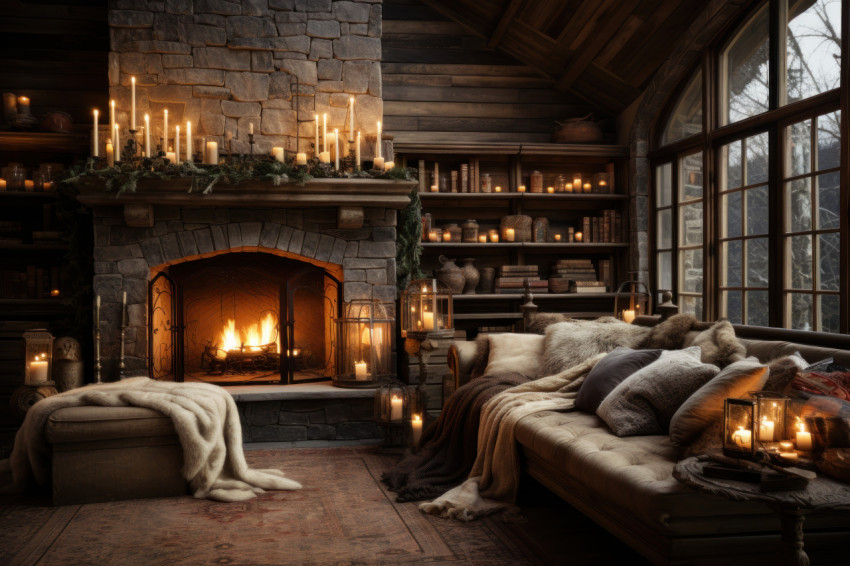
(504, 23)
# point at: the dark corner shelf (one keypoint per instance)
(44, 142)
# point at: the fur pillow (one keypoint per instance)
(645, 402)
(719, 345)
(705, 407)
(611, 370)
(782, 371)
(517, 353)
(540, 321)
(571, 343)
(670, 334)
(482, 354)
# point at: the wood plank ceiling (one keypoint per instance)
(602, 51)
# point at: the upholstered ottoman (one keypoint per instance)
(112, 453)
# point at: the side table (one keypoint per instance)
(791, 506)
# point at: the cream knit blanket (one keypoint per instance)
(204, 416)
(493, 482)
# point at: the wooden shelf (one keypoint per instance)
(542, 246)
(34, 195)
(35, 247)
(540, 296)
(546, 197)
(43, 142)
(33, 307)
(510, 148)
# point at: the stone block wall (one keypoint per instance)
(299, 420)
(225, 64)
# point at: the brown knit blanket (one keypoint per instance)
(450, 444)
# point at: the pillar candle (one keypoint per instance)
(110, 154)
(165, 130)
(177, 144)
(111, 116)
(325, 132)
(629, 316)
(586, 188)
(132, 103)
(189, 141)
(378, 163)
(357, 153)
(169, 155)
(325, 157)
(579, 237)
(550, 189)
(804, 438)
(316, 150)
(2, 184)
(301, 159)
(482, 238)
(251, 128)
(360, 371)
(29, 185)
(94, 136)
(743, 438)
(396, 404)
(116, 144)
(124, 310)
(509, 235)
(336, 149)
(211, 156)
(147, 135)
(23, 105)
(428, 320)
(389, 165)
(37, 371)
(416, 427)
(351, 119)
(568, 187)
(766, 428)
(277, 152)
(520, 189)
(378, 142)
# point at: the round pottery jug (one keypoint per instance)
(470, 275)
(450, 274)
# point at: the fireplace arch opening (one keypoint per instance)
(243, 318)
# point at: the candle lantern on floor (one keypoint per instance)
(39, 356)
(395, 404)
(364, 353)
(628, 299)
(427, 309)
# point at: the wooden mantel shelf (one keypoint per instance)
(315, 193)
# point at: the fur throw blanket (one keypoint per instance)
(494, 480)
(717, 341)
(205, 418)
(570, 343)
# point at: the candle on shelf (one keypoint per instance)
(116, 144)
(435, 188)
(360, 371)
(396, 408)
(786, 446)
(433, 236)
(54, 292)
(132, 103)
(351, 119)
(494, 236)
(804, 438)
(389, 165)
(325, 157)
(378, 163)
(23, 105)
(357, 153)
(482, 238)
(416, 428)
(743, 438)
(251, 128)
(165, 130)
(550, 189)
(576, 182)
(325, 133)
(111, 116)
(177, 144)
(110, 154)
(498, 189)
(316, 150)
(2, 184)
(29, 185)
(579, 236)
(189, 141)
(94, 149)
(277, 152)
(378, 144)
(336, 149)
(428, 320)
(568, 187)
(509, 235)
(586, 188)
(97, 312)
(300, 158)
(37, 371)
(147, 135)
(766, 428)
(447, 236)
(211, 155)
(557, 237)
(792, 456)
(520, 189)
(603, 183)
(628, 315)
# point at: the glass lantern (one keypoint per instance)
(771, 410)
(739, 416)
(396, 404)
(364, 355)
(38, 356)
(427, 309)
(637, 293)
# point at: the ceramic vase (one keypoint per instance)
(471, 276)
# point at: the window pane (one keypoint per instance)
(829, 140)
(800, 262)
(757, 262)
(732, 215)
(829, 246)
(691, 168)
(690, 224)
(732, 261)
(829, 200)
(812, 47)
(758, 309)
(799, 205)
(733, 306)
(690, 280)
(692, 305)
(757, 150)
(745, 62)
(801, 311)
(732, 164)
(664, 237)
(664, 184)
(686, 119)
(758, 213)
(799, 155)
(665, 271)
(829, 313)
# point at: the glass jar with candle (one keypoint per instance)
(536, 182)
(435, 235)
(540, 229)
(486, 184)
(561, 185)
(494, 236)
(470, 231)
(454, 231)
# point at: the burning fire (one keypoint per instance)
(253, 337)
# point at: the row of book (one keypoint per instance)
(605, 229)
(34, 283)
(565, 276)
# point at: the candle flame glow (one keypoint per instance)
(253, 337)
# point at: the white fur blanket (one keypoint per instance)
(493, 482)
(204, 416)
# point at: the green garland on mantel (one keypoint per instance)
(125, 177)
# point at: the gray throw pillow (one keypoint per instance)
(705, 406)
(609, 372)
(645, 402)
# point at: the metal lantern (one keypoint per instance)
(771, 410)
(364, 355)
(636, 296)
(38, 357)
(427, 308)
(739, 416)
(395, 405)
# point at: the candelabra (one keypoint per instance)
(132, 150)
(98, 366)
(121, 363)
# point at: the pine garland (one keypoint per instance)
(408, 246)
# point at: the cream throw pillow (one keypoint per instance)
(519, 353)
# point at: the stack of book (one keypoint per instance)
(587, 287)
(565, 271)
(605, 229)
(513, 278)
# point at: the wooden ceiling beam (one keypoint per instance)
(504, 23)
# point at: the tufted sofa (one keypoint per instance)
(626, 484)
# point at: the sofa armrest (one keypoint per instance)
(461, 358)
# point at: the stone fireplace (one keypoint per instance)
(191, 264)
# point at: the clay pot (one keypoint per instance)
(57, 122)
(451, 275)
(471, 276)
(578, 130)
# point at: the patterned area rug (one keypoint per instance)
(342, 516)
